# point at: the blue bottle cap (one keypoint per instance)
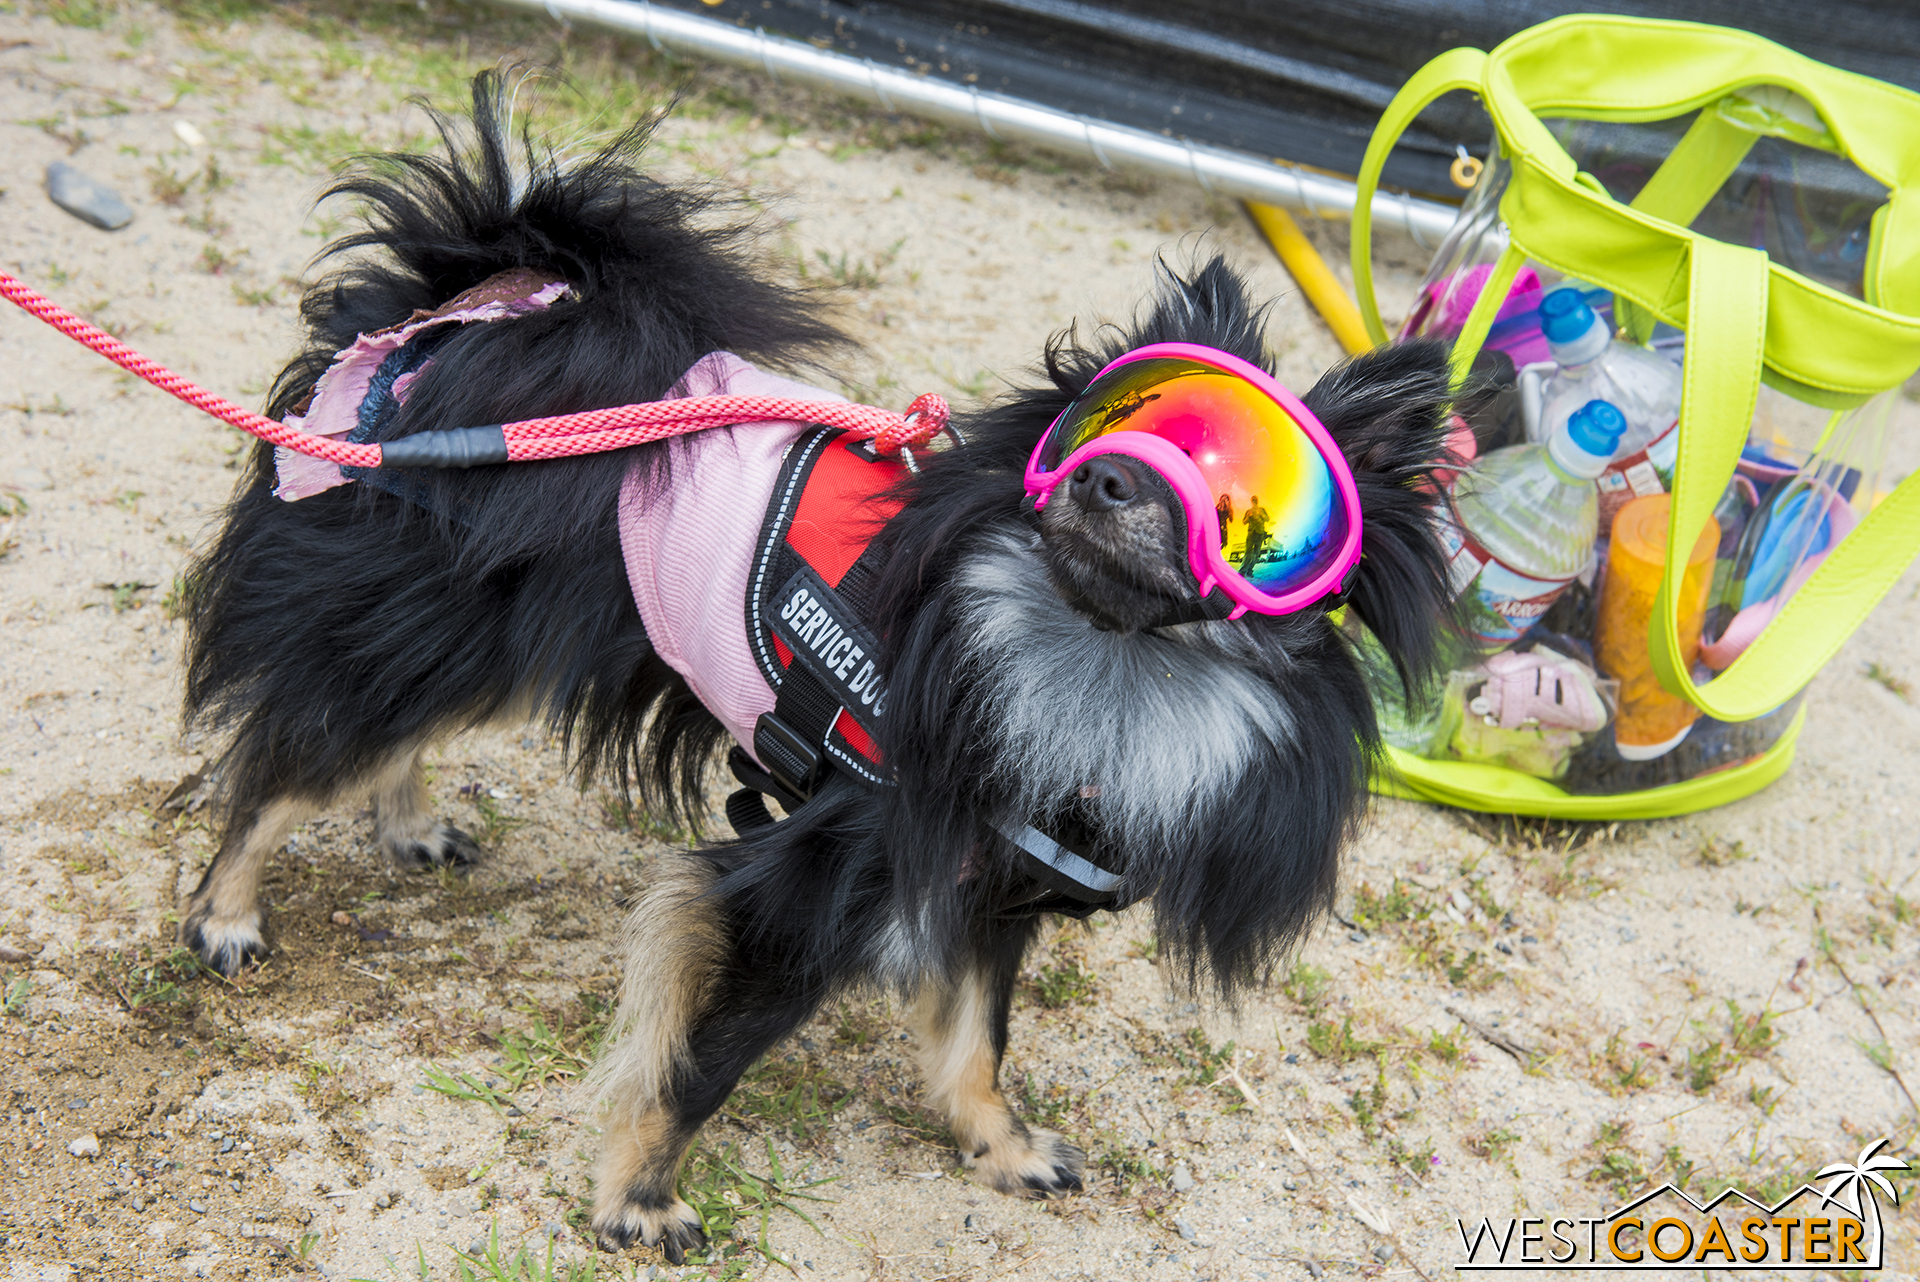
(1597, 427)
(1564, 315)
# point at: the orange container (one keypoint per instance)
(1650, 722)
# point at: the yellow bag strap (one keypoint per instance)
(1455, 69)
(1704, 158)
(1726, 321)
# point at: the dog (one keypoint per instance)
(1211, 768)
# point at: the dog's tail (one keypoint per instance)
(1387, 410)
(500, 587)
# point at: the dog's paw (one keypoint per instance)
(444, 847)
(671, 1225)
(1033, 1164)
(227, 946)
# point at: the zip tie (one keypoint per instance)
(879, 90)
(1406, 220)
(1093, 145)
(766, 59)
(1300, 189)
(1193, 163)
(980, 115)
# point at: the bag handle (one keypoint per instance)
(1726, 321)
(1454, 69)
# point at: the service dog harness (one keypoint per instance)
(795, 675)
(772, 627)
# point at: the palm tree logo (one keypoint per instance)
(1853, 1184)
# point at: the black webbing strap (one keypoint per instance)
(792, 740)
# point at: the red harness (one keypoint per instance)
(810, 605)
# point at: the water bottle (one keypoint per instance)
(1642, 384)
(1525, 521)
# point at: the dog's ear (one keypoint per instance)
(1388, 410)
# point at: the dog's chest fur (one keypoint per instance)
(1152, 730)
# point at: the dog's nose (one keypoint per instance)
(1103, 483)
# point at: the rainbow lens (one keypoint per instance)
(1261, 470)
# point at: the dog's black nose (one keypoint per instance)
(1103, 483)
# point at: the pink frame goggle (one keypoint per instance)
(1263, 437)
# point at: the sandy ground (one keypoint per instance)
(1511, 1018)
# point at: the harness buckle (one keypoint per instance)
(793, 763)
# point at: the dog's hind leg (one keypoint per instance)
(697, 1007)
(961, 1024)
(223, 923)
(404, 821)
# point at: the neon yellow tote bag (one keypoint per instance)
(1734, 229)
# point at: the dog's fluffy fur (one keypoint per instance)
(1220, 765)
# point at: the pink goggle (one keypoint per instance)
(1241, 452)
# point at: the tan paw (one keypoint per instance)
(1029, 1164)
(671, 1225)
(226, 946)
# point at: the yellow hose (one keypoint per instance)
(1316, 279)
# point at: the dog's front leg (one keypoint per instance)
(697, 1007)
(961, 1023)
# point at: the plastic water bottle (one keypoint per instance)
(1526, 517)
(1642, 384)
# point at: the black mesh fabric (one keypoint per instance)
(1299, 81)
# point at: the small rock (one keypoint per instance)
(973, 1223)
(513, 1110)
(86, 199)
(85, 1146)
(197, 1205)
(1383, 1253)
(1293, 1059)
(477, 1248)
(186, 133)
(226, 1145)
(1529, 939)
(1182, 1179)
(1357, 936)
(1314, 1269)
(1185, 1229)
(342, 918)
(138, 1204)
(1288, 1185)
(1505, 947)
(383, 1202)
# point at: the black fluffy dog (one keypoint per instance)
(1216, 766)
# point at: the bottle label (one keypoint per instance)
(1636, 476)
(1502, 603)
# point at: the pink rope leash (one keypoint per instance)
(561, 436)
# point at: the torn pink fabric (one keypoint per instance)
(689, 549)
(334, 408)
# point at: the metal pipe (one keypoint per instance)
(1220, 172)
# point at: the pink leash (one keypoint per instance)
(562, 436)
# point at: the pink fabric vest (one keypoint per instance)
(688, 549)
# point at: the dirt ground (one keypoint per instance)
(1509, 1017)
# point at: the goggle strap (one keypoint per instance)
(1214, 605)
